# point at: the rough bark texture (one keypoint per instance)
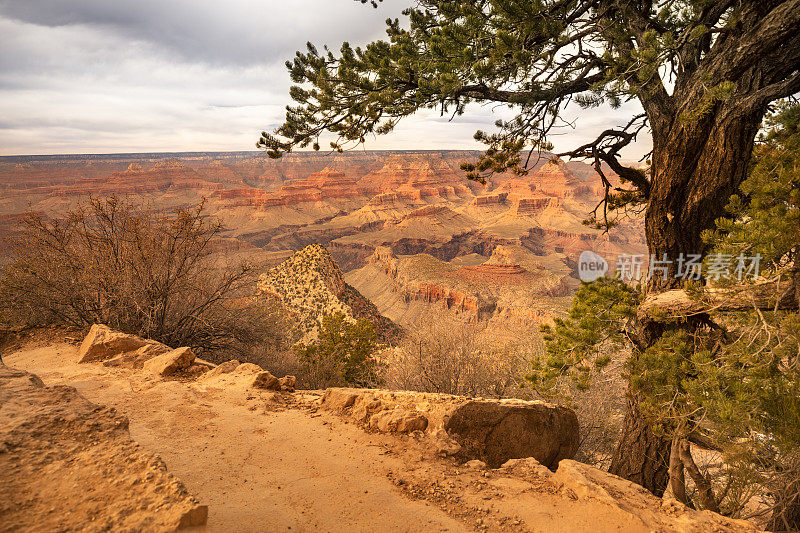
(700, 158)
(677, 477)
(644, 455)
(705, 492)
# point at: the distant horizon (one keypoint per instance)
(167, 154)
(82, 78)
(214, 152)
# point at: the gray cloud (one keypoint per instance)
(81, 76)
(230, 32)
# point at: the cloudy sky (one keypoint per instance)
(106, 76)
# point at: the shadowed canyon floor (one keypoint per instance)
(265, 461)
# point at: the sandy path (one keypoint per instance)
(257, 468)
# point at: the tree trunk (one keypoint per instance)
(644, 453)
(677, 477)
(705, 492)
(697, 165)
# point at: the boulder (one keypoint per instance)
(476, 464)
(288, 383)
(398, 421)
(492, 431)
(104, 343)
(265, 380)
(137, 358)
(170, 363)
(338, 400)
(223, 368)
(496, 431)
(230, 375)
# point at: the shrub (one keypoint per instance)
(454, 360)
(154, 274)
(342, 355)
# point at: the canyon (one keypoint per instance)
(407, 229)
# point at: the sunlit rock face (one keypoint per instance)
(442, 230)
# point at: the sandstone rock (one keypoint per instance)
(492, 431)
(526, 468)
(338, 399)
(70, 465)
(288, 383)
(634, 505)
(197, 516)
(265, 380)
(364, 407)
(137, 358)
(496, 431)
(447, 447)
(103, 343)
(248, 368)
(223, 368)
(475, 464)
(202, 362)
(398, 421)
(230, 375)
(170, 362)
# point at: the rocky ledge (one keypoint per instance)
(72, 465)
(492, 431)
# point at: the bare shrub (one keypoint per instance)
(455, 361)
(600, 410)
(154, 274)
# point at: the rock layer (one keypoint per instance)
(493, 431)
(73, 466)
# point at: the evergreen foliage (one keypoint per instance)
(734, 381)
(595, 328)
(765, 215)
(342, 354)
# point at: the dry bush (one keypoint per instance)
(154, 274)
(600, 411)
(455, 361)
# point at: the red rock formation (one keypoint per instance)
(318, 186)
(528, 206)
(416, 179)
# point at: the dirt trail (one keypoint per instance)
(257, 468)
(265, 461)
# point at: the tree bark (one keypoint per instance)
(704, 490)
(677, 478)
(644, 453)
(697, 164)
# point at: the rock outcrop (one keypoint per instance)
(311, 285)
(492, 431)
(70, 465)
(170, 363)
(103, 343)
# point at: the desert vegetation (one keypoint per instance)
(704, 75)
(455, 360)
(156, 274)
(342, 355)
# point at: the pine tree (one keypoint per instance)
(704, 73)
(733, 385)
